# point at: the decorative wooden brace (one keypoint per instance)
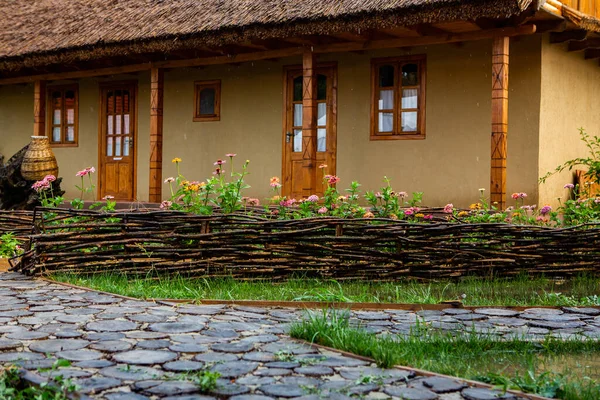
(500, 54)
(39, 108)
(156, 133)
(309, 123)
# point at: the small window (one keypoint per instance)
(398, 98)
(63, 115)
(207, 101)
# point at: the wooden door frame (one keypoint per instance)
(334, 85)
(101, 86)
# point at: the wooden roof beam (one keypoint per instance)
(351, 37)
(591, 54)
(555, 25)
(561, 37)
(428, 30)
(584, 44)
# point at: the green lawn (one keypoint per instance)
(520, 291)
(567, 370)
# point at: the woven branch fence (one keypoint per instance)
(254, 247)
(18, 222)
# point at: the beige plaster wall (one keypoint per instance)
(570, 98)
(450, 165)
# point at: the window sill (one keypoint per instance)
(207, 119)
(64, 144)
(416, 136)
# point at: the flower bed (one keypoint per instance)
(256, 247)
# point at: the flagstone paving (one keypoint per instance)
(124, 349)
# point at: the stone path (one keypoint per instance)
(134, 350)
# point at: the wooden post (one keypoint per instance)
(309, 123)
(39, 108)
(500, 53)
(156, 133)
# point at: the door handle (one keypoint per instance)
(288, 136)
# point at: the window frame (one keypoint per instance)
(198, 87)
(63, 117)
(395, 134)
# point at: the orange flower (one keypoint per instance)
(323, 166)
(275, 182)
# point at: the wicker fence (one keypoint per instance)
(254, 247)
(17, 222)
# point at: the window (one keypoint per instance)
(207, 103)
(398, 98)
(63, 115)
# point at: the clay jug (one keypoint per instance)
(39, 160)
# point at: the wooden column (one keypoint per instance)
(39, 108)
(309, 123)
(156, 133)
(500, 53)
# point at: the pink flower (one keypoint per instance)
(515, 196)
(428, 217)
(522, 195)
(40, 186)
(275, 182)
(313, 198)
(218, 171)
(539, 218)
(379, 195)
(91, 170)
(597, 200)
(231, 155)
(322, 210)
(253, 202)
(333, 180)
(83, 172)
(569, 186)
(449, 208)
(49, 178)
(402, 194)
(322, 166)
(108, 197)
(219, 162)
(408, 212)
(545, 210)
(166, 204)
(170, 179)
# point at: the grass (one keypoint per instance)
(513, 364)
(12, 387)
(519, 291)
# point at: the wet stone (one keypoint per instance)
(131, 373)
(470, 317)
(46, 308)
(145, 357)
(273, 372)
(372, 316)
(53, 328)
(68, 373)
(260, 356)
(362, 389)
(146, 335)
(507, 321)
(556, 325)
(183, 366)
(153, 344)
(36, 364)
(56, 345)
(172, 388)
(68, 334)
(233, 347)
(200, 310)
(35, 320)
(282, 390)
(190, 397)
(583, 310)
(188, 348)
(125, 396)
(314, 370)
(229, 389)
(497, 312)
(82, 311)
(79, 355)
(97, 384)
(15, 313)
(300, 381)
(282, 364)
(147, 318)
(94, 364)
(443, 385)
(9, 344)
(14, 356)
(111, 346)
(250, 397)
(111, 326)
(104, 336)
(225, 334)
(486, 394)
(212, 357)
(175, 327)
(455, 311)
(260, 339)
(255, 380)
(410, 393)
(389, 376)
(73, 319)
(288, 347)
(234, 369)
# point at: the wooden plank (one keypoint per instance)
(591, 54)
(500, 61)
(309, 123)
(78, 74)
(156, 133)
(561, 37)
(584, 44)
(39, 108)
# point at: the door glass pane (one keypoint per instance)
(70, 133)
(386, 76)
(56, 117)
(386, 99)
(56, 134)
(409, 121)
(386, 122)
(321, 114)
(409, 98)
(110, 103)
(126, 101)
(297, 114)
(109, 125)
(109, 146)
(126, 124)
(126, 146)
(207, 101)
(297, 89)
(118, 146)
(410, 75)
(70, 116)
(321, 87)
(321, 139)
(297, 140)
(118, 124)
(118, 102)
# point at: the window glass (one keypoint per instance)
(207, 101)
(62, 115)
(386, 99)
(298, 89)
(386, 122)
(410, 75)
(321, 87)
(409, 98)
(409, 121)
(321, 114)
(297, 140)
(386, 76)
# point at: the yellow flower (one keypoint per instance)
(475, 206)
(176, 160)
(276, 198)
(419, 215)
(368, 214)
(463, 214)
(393, 216)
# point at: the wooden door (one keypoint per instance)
(117, 141)
(292, 132)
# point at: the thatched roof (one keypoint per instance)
(38, 27)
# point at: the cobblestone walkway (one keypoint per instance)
(124, 349)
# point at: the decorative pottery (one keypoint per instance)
(39, 160)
